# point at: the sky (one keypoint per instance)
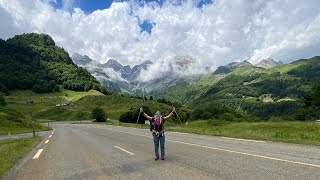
(210, 32)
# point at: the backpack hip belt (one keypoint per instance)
(158, 133)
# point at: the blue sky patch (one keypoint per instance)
(88, 6)
(147, 26)
(202, 3)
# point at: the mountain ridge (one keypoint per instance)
(127, 78)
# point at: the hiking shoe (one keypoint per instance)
(157, 158)
(162, 158)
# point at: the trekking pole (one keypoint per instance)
(140, 110)
(139, 113)
(138, 117)
(178, 116)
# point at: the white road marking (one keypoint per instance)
(178, 133)
(36, 156)
(124, 150)
(231, 151)
(237, 139)
(50, 136)
(46, 141)
(53, 130)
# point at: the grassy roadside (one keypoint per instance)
(9, 128)
(14, 122)
(14, 149)
(289, 132)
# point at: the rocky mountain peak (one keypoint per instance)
(268, 63)
(231, 67)
(114, 64)
(81, 60)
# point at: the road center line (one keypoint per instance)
(50, 136)
(46, 141)
(36, 156)
(231, 151)
(124, 150)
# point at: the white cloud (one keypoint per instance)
(67, 4)
(214, 35)
(113, 75)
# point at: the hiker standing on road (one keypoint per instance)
(158, 131)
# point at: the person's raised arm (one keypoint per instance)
(146, 115)
(170, 115)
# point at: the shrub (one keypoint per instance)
(99, 114)
(223, 113)
(227, 117)
(2, 100)
(131, 116)
(3, 89)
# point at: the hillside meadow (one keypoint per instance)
(48, 105)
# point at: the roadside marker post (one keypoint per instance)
(33, 128)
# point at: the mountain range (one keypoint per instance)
(124, 79)
(266, 89)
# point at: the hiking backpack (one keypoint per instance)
(157, 125)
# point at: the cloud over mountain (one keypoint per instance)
(214, 34)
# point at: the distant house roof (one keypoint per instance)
(69, 103)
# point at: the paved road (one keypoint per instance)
(90, 151)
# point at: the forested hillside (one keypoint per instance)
(33, 61)
(266, 93)
(279, 91)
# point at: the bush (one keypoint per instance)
(99, 114)
(2, 100)
(212, 112)
(3, 89)
(223, 113)
(227, 117)
(131, 116)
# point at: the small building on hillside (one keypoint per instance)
(29, 102)
(68, 103)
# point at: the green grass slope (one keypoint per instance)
(13, 122)
(44, 105)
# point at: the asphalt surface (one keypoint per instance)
(91, 151)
